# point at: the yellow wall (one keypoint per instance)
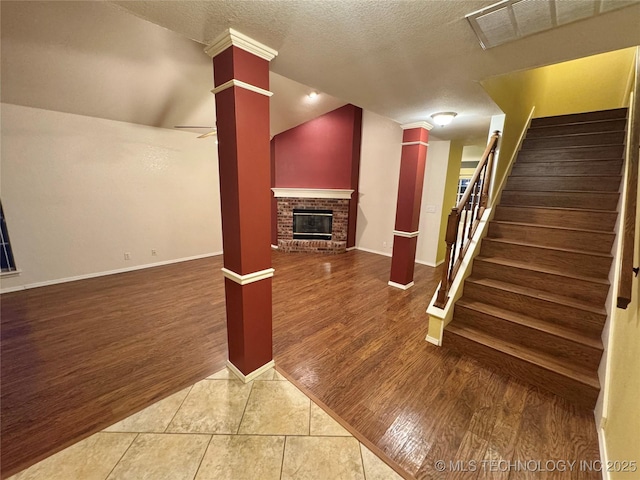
(598, 82)
(450, 191)
(585, 85)
(515, 95)
(622, 428)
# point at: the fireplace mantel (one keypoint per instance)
(312, 193)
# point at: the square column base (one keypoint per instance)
(256, 373)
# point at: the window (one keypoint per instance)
(8, 264)
(463, 183)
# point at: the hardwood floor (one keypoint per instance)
(358, 345)
(79, 356)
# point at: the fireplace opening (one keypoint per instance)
(312, 224)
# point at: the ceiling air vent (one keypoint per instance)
(509, 20)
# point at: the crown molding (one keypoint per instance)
(231, 37)
(425, 125)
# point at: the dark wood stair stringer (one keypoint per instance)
(534, 304)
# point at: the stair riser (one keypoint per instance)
(572, 390)
(595, 200)
(574, 128)
(590, 184)
(549, 237)
(609, 152)
(580, 117)
(539, 169)
(570, 262)
(583, 321)
(611, 138)
(600, 221)
(593, 293)
(563, 350)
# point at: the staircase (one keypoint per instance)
(534, 305)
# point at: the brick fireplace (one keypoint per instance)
(335, 201)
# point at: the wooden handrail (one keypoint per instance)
(469, 210)
(629, 222)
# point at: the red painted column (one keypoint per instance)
(241, 77)
(405, 239)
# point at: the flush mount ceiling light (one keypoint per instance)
(443, 118)
(313, 94)
(509, 20)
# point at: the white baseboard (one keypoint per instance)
(368, 250)
(433, 340)
(604, 457)
(348, 249)
(400, 286)
(275, 247)
(430, 264)
(105, 273)
(387, 254)
(256, 373)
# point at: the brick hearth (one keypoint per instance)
(338, 242)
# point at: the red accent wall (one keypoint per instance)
(319, 153)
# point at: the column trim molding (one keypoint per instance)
(400, 233)
(415, 143)
(423, 124)
(231, 37)
(256, 373)
(400, 286)
(239, 83)
(249, 277)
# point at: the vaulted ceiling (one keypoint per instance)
(401, 59)
(95, 59)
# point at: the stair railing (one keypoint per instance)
(628, 229)
(465, 217)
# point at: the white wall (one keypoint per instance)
(379, 172)
(435, 177)
(78, 192)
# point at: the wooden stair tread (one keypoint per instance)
(591, 192)
(557, 249)
(594, 122)
(582, 117)
(581, 134)
(570, 175)
(568, 209)
(552, 227)
(541, 360)
(530, 322)
(570, 160)
(540, 148)
(540, 294)
(527, 266)
(596, 161)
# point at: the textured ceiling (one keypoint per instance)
(95, 59)
(401, 59)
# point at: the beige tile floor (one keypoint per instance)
(219, 429)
